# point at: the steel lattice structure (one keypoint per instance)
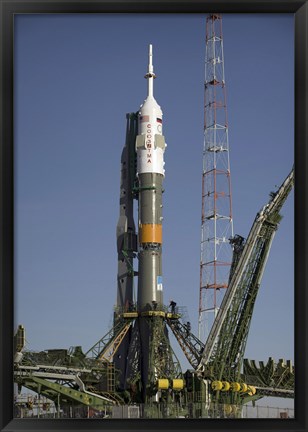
(216, 218)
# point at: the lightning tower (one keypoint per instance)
(216, 215)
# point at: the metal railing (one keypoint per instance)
(190, 410)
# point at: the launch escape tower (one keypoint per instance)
(216, 214)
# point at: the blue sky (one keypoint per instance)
(76, 77)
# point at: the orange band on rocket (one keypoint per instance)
(150, 233)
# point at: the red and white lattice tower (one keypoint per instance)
(216, 219)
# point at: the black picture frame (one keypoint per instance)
(8, 9)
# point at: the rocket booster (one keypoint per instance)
(150, 148)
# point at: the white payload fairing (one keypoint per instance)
(150, 156)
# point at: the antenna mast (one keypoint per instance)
(216, 217)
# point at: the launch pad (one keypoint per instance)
(134, 365)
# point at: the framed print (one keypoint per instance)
(153, 215)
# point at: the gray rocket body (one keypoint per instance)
(150, 288)
(150, 148)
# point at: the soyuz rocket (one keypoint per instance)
(150, 148)
(142, 175)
